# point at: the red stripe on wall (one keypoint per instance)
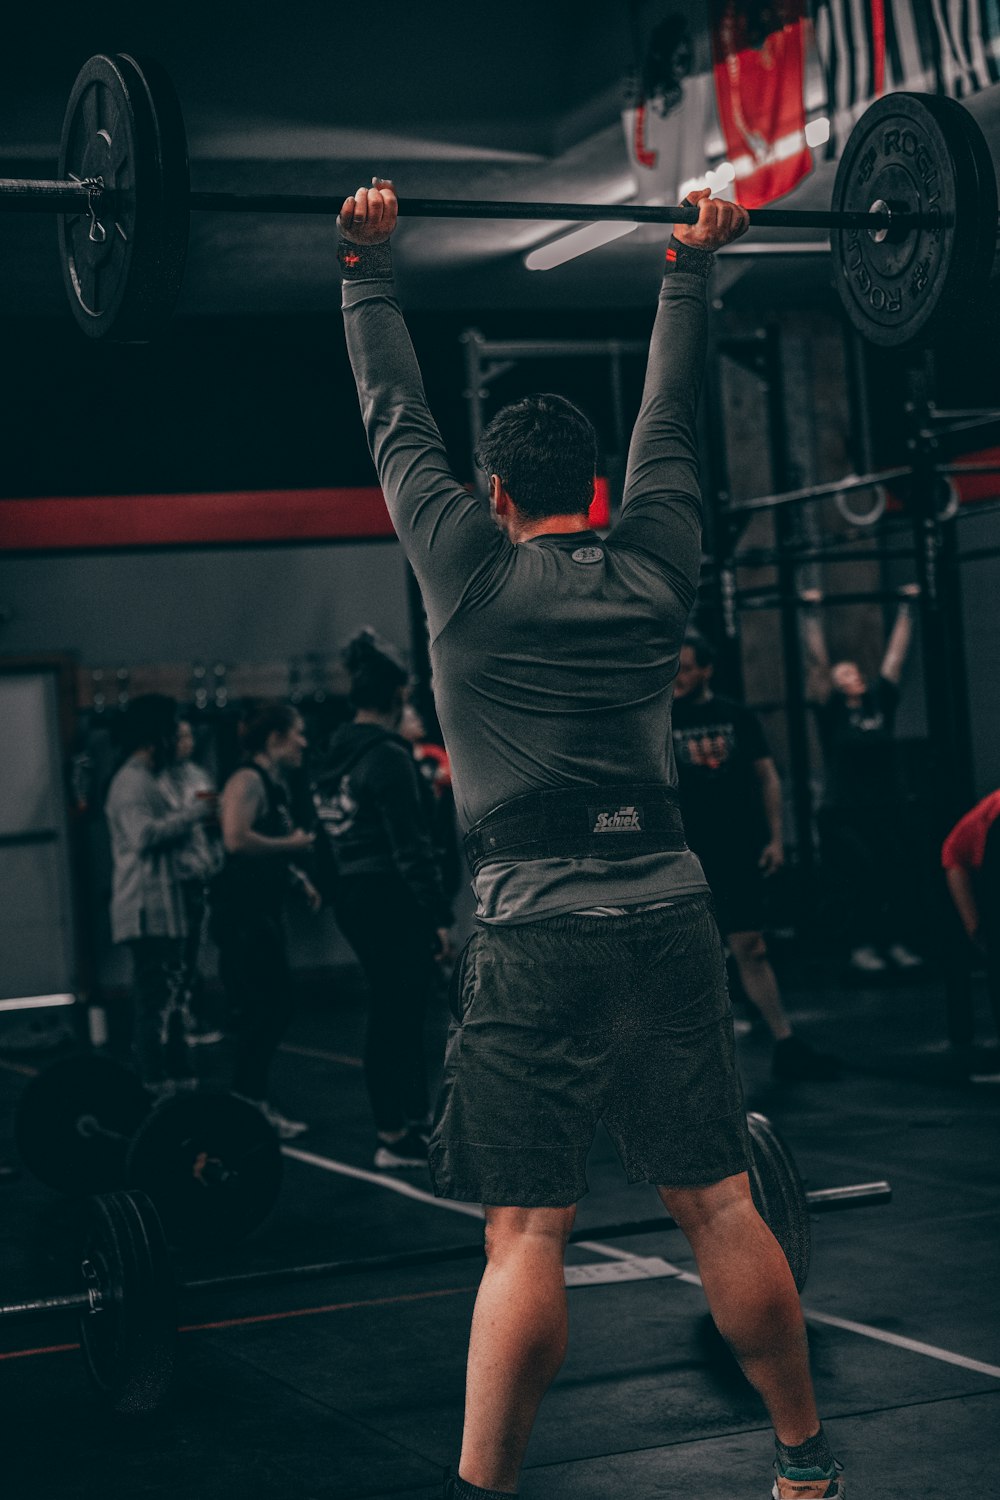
(105, 522)
(878, 46)
(96, 522)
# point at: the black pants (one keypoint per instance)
(394, 946)
(870, 863)
(193, 897)
(158, 1045)
(255, 974)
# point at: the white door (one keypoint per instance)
(36, 918)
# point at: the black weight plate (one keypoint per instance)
(75, 1120)
(124, 125)
(779, 1195)
(128, 1340)
(211, 1164)
(919, 154)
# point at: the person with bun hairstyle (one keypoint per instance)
(248, 897)
(388, 898)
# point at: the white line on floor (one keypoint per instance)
(325, 1164)
(931, 1350)
(646, 1268)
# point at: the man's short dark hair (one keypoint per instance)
(704, 651)
(545, 452)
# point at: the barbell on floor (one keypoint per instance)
(209, 1161)
(127, 1302)
(914, 210)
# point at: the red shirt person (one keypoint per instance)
(971, 860)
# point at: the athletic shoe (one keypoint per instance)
(809, 1484)
(287, 1129)
(409, 1151)
(203, 1038)
(867, 961)
(903, 957)
(793, 1059)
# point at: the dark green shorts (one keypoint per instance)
(561, 1023)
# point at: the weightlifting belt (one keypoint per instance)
(585, 822)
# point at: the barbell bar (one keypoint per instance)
(127, 1302)
(819, 1201)
(33, 195)
(913, 216)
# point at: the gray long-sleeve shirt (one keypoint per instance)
(551, 668)
(145, 831)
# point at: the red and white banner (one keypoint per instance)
(759, 54)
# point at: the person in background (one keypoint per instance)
(147, 910)
(435, 772)
(730, 797)
(185, 783)
(862, 819)
(248, 899)
(388, 897)
(971, 861)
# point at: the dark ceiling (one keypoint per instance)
(494, 101)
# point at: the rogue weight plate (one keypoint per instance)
(212, 1165)
(128, 1338)
(74, 1122)
(122, 266)
(921, 154)
(779, 1195)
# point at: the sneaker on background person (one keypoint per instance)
(904, 957)
(867, 960)
(287, 1129)
(284, 1128)
(406, 1150)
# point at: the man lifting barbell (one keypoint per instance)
(593, 987)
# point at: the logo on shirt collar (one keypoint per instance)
(588, 555)
(620, 820)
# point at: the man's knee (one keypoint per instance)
(696, 1208)
(544, 1229)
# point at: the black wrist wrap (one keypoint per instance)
(365, 262)
(686, 258)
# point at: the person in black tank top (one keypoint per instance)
(248, 897)
(387, 895)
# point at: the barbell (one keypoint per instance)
(127, 1299)
(914, 210)
(210, 1162)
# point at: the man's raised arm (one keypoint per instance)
(661, 506)
(446, 533)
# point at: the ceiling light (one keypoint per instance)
(569, 246)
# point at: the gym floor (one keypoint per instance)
(353, 1387)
